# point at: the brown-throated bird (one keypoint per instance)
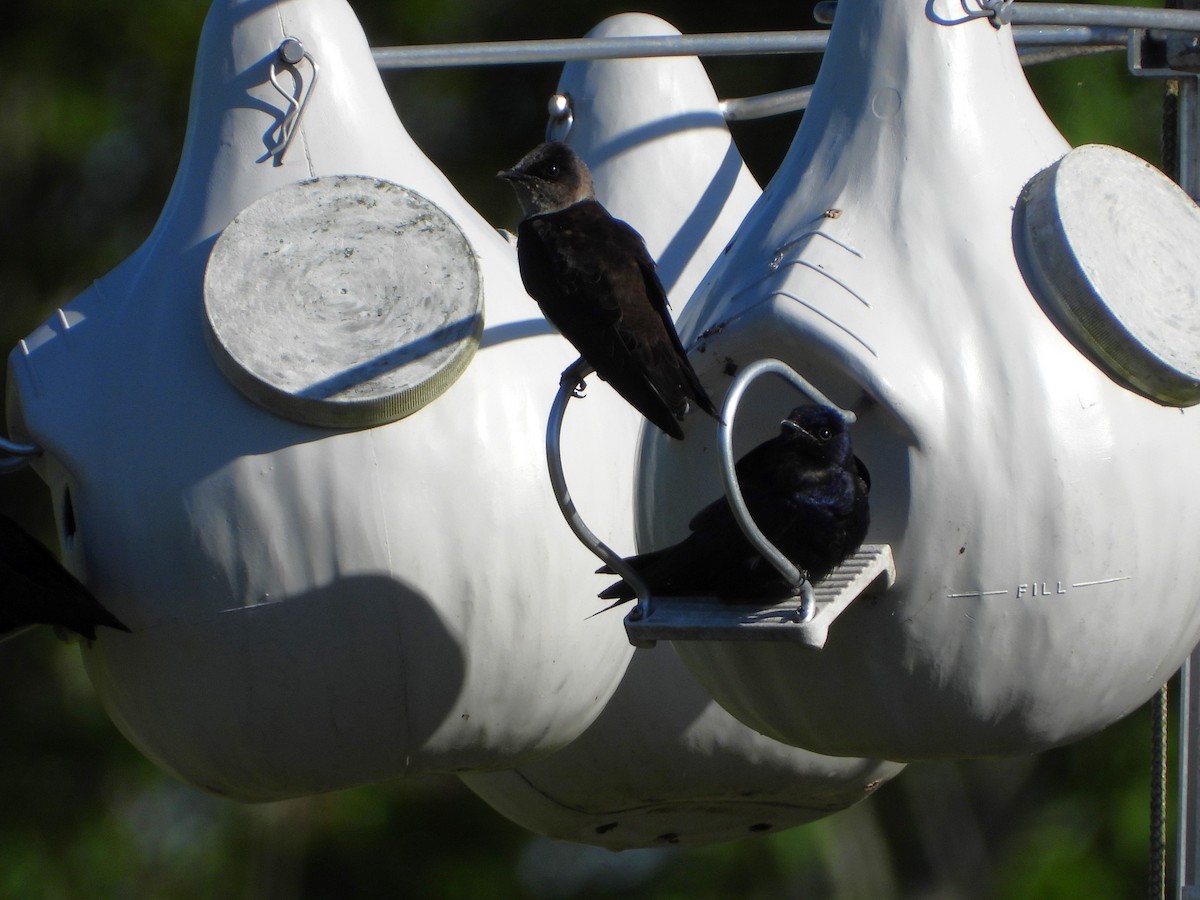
(595, 282)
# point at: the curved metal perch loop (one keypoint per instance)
(571, 382)
(569, 387)
(733, 492)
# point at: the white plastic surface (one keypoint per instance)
(313, 609)
(664, 764)
(1042, 517)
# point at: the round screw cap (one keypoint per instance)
(1110, 247)
(343, 301)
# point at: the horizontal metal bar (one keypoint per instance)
(777, 103)
(494, 53)
(752, 43)
(1038, 44)
(1096, 15)
(1036, 56)
(1069, 35)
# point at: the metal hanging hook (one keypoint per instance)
(15, 456)
(291, 53)
(999, 10)
(562, 116)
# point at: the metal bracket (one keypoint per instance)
(656, 618)
(15, 456)
(1146, 56)
(571, 385)
(1157, 54)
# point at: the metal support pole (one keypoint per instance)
(1187, 860)
(1181, 139)
(1187, 132)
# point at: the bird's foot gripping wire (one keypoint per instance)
(574, 374)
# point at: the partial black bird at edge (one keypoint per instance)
(35, 589)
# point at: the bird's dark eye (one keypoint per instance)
(825, 434)
(552, 171)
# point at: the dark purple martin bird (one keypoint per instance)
(806, 491)
(36, 590)
(595, 281)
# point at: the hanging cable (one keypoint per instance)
(1157, 882)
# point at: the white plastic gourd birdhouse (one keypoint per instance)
(664, 764)
(295, 442)
(1026, 423)
(653, 135)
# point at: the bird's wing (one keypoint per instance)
(863, 473)
(753, 471)
(806, 529)
(574, 263)
(659, 302)
(584, 269)
(27, 558)
(35, 588)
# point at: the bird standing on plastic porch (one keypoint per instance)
(36, 590)
(594, 280)
(806, 491)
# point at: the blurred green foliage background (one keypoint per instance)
(94, 101)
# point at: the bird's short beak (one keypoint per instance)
(795, 426)
(511, 175)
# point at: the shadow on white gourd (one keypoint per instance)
(1042, 515)
(664, 764)
(312, 608)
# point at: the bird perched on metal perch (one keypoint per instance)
(595, 281)
(806, 491)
